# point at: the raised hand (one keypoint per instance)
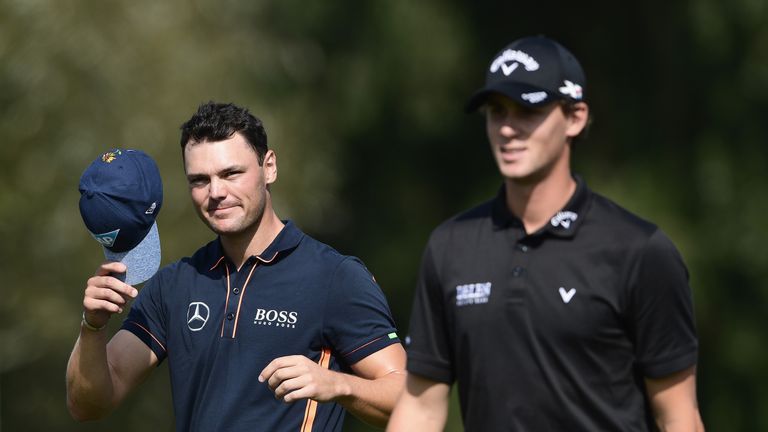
(105, 295)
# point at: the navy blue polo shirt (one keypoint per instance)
(553, 330)
(219, 327)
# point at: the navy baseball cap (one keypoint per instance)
(533, 71)
(121, 193)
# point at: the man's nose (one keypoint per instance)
(218, 189)
(509, 128)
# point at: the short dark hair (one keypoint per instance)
(218, 121)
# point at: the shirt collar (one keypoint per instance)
(286, 240)
(564, 223)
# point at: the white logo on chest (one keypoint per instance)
(197, 315)
(474, 293)
(276, 318)
(567, 295)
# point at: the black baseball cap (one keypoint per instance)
(533, 71)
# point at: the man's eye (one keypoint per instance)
(529, 112)
(495, 109)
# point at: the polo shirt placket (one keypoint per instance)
(235, 296)
(237, 285)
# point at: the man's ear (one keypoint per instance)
(578, 116)
(270, 167)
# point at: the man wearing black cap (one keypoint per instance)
(550, 306)
(263, 328)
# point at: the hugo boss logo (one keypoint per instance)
(473, 294)
(276, 318)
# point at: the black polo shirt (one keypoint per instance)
(219, 327)
(554, 330)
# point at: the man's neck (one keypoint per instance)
(240, 247)
(536, 202)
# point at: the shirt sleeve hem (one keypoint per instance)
(429, 369)
(147, 337)
(369, 348)
(660, 369)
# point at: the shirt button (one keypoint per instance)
(517, 271)
(236, 290)
(522, 247)
(230, 316)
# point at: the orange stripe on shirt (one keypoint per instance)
(150, 334)
(363, 346)
(311, 410)
(240, 302)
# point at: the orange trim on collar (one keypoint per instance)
(217, 263)
(267, 261)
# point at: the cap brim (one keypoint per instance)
(524, 94)
(142, 261)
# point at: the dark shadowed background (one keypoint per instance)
(363, 104)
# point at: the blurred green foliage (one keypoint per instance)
(363, 103)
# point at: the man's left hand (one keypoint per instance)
(296, 377)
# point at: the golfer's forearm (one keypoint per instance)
(423, 406)
(90, 391)
(372, 400)
(413, 413)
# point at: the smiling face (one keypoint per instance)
(227, 185)
(529, 144)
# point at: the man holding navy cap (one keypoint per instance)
(550, 306)
(263, 328)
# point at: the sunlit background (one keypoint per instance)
(362, 102)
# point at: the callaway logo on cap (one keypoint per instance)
(120, 197)
(532, 71)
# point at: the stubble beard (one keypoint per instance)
(247, 226)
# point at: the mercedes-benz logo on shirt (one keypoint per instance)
(197, 315)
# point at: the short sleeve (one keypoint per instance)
(357, 319)
(427, 344)
(662, 310)
(146, 319)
